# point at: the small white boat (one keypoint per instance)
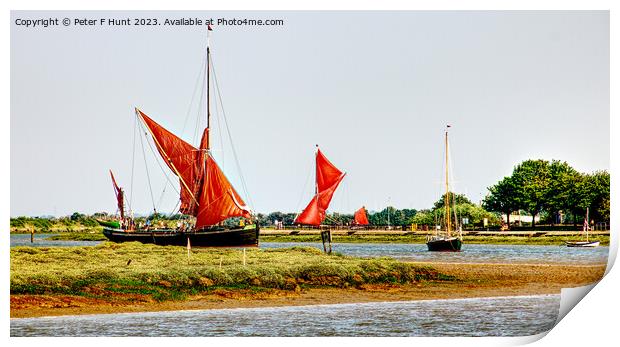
(582, 243)
(587, 242)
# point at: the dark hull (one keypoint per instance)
(209, 237)
(445, 245)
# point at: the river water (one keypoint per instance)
(507, 316)
(504, 316)
(471, 253)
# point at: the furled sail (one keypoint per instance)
(206, 193)
(119, 196)
(328, 177)
(360, 217)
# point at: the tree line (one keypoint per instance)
(551, 188)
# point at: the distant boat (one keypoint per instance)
(327, 179)
(443, 240)
(360, 217)
(205, 193)
(586, 228)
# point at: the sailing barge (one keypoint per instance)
(205, 192)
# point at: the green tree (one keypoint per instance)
(598, 195)
(532, 179)
(454, 199)
(502, 198)
(423, 217)
(563, 183)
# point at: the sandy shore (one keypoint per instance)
(473, 280)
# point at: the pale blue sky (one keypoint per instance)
(374, 89)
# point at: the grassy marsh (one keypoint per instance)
(165, 273)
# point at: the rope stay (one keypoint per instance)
(234, 151)
(219, 129)
(147, 174)
(303, 191)
(158, 160)
(133, 155)
(189, 108)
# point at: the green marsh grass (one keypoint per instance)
(165, 272)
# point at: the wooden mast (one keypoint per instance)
(587, 224)
(207, 77)
(447, 199)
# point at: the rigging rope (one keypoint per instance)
(219, 131)
(200, 108)
(189, 109)
(243, 184)
(157, 160)
(147, 173)
(161, 196)
(133, 155)
(303, 191)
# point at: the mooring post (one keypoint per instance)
(326, 238)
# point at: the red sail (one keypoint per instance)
(119, 196)
(326, 173)
(181, 157)
(312, 214)
(325, 197)
(360, 217)
(328, 177)
(218, 199)
(205, 192)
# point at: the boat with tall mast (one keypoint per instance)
(586, 230)
(327, 179)
(443, 240)
(205, 193)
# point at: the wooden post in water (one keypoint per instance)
(326, 238)
(189, 248)
(32, 234)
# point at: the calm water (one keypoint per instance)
(471, 253)
(506, 316)
(40, 241)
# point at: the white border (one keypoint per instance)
(591, 322)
